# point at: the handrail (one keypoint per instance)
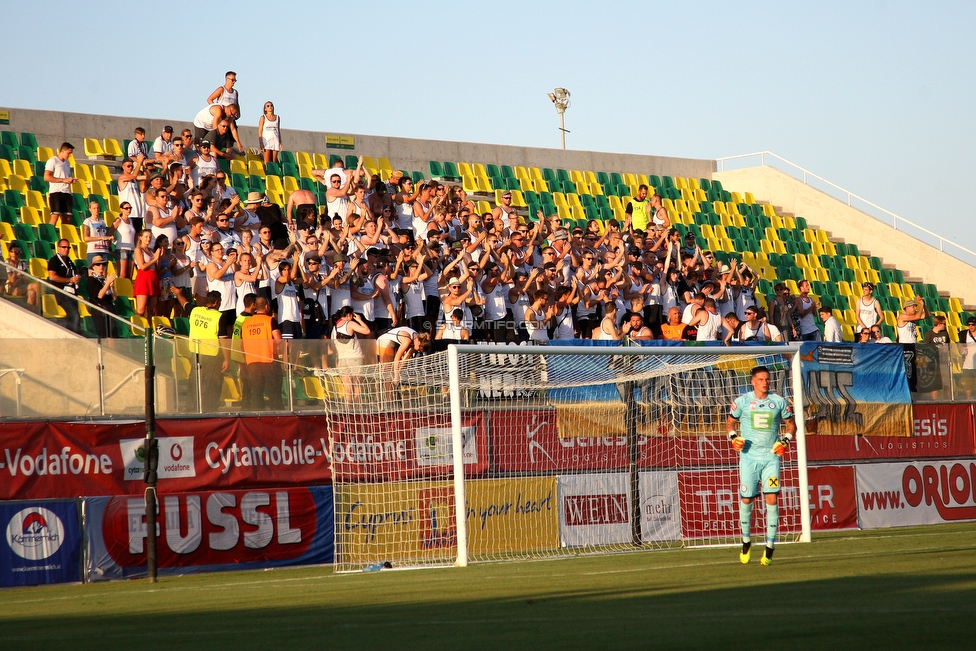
(895, 219)
(90, 306)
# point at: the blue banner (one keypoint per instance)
(42, 543)
(856, 389)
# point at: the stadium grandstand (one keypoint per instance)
(285, 302)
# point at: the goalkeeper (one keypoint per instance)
(760, 446)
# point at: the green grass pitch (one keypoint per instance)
(894, 589)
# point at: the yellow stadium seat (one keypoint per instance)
(576, 176)
(686, 194)
(276, 196)
(369, 161)
(38, 268)
(273, 183)
(101, 187)
(255, 168)
(93, 148)
(719, 208)
(313, 388)
(521, 172)
(44, 153)
(238, 167)
(541, 185)
(680, 183)
(469, 183)
(890, 318)
(123, 287)
(789, 222)
(766, 246)
(139, 325)
(629, 178)
(30, 215)
(101, 173)
(535, 173)
(18, 183)
(748, 198)
(384, 163)
(35, 200)
(70, 233)
(907, 291)
(596, 189)
(952, 318)
(303, 158)
(7, 232)
(572, 199)
(320, 161)
(590, 177)
(23, 168)
(518, 200)
(80, 187)
(51, 309)
(112, 148)
(526, 184)
(955, 304)
(483, 207)
(305, 171)
(847, 332)
(289, 183)
(736, 197)
(464, 169)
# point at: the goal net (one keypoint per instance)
(546, 452)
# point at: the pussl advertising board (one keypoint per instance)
(211, 531)
(42, 543)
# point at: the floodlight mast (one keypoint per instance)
(560, 99)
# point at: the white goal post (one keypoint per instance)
(455, 352)
(499, 452)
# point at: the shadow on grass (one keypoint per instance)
(626, 611)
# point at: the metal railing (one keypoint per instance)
(769, 159)
(48, 287)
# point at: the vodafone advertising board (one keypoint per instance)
(939, 431)
(921, 492)
(393, 447)
(54, 460)
(211, 531)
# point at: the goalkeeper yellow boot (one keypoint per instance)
(767, 557)
(745, 555)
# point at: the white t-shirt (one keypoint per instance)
(832, 330)
(97, 228)
(61, 169)
(161, 146)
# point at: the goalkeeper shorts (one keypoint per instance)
(756, 472)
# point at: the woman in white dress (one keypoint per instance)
(269, 134)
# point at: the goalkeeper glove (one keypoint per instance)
(737, 441)
(780, 446)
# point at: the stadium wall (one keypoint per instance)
(893, 246)
(54, 127)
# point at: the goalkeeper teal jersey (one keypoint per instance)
(760, 421)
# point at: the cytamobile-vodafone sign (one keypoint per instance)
(905, 494)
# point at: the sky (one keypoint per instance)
(874, 96)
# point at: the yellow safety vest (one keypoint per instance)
(638, 220)
(236, 352)
(204, 328)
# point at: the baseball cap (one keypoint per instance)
(167, 129)
(971, 320)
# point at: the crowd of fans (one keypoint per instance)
(419, 262)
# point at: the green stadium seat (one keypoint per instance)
(224, 166)
(43, 249)
(507, 172)
(435, 169)
(451, 171)
(48, 233)
(417, 177)
(335, 158)
(287, 157)
(272, 168)
(352, 161)
(9, 138)
(29, 140)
